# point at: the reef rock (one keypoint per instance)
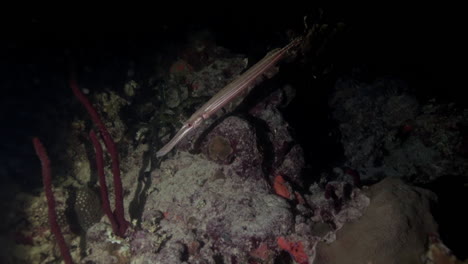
(387, 132)
(211, 205)
(395, 228)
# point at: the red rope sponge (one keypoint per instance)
(110, 145)
(47, 181)
(102, 181)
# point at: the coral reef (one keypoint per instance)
(234, 191)
(31, 241)
(386, 132)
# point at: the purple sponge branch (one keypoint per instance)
(47, 181)
(110, 145)
(102, 181)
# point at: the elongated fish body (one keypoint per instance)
(240, 86)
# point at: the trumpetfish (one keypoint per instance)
(242, 85)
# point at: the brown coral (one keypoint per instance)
(219, 149)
